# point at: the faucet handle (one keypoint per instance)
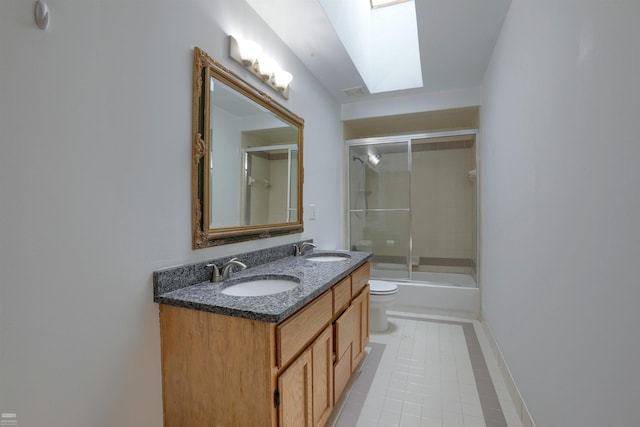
(215, 274)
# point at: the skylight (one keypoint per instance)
(382, 42)
(382, 3)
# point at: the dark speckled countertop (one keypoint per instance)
(315, 278)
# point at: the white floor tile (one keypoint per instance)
(425, 377)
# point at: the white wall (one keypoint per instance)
(95, 156)
(560, 208)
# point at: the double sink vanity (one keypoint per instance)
(265, 338)
(272, 345)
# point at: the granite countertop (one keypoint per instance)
(315, 278)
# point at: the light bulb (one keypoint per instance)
(282, 79)
(249, 51)
(266, 67)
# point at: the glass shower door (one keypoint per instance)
(379, 206)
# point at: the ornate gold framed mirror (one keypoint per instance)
(246, 167)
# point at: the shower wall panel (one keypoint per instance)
(443, 210)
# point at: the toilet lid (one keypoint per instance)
(382, 287)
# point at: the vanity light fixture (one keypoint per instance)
(282, 79)
(249, 52)
(266, 67)
(250, 55)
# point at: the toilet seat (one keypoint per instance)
(381, 287)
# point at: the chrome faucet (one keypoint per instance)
(223, 273)
(299, 250)
(227, 266)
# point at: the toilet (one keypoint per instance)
(383, 295)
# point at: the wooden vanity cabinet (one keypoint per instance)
(220, 370)
(306, 386)
(322, 368)
(351, 331)
(295, 385)
(217, 370)
(351, 335)
(361, 305)
(305, 389)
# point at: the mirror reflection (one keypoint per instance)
(259, 149)
(247, 153)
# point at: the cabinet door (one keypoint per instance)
(364, 318)
(295, 388)
(322, 362)
(345, 335)
(356, 345)
(345, 330)
(342, 373)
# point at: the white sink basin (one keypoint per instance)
(328, 257)
(255, 287)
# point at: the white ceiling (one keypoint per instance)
(456, 39)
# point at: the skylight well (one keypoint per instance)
(381, 41)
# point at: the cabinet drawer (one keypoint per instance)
(345, 331)
(341, 295)
(296, 332)
(360, 278)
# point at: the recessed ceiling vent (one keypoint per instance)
(355, 91)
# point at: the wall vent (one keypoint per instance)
(355, 91)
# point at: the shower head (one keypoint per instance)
(372, 159)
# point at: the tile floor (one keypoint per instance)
(427, 371)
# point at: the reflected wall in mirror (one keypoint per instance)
(247, 157)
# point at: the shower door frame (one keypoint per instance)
(408, 138)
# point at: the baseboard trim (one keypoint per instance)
(516, 397)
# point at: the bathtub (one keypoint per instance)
(438, 293)
(444, 279)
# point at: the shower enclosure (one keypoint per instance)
(269, 194)
(412, 203)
